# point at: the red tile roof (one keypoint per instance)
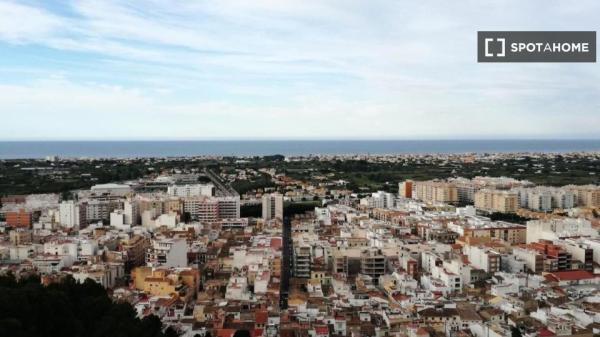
(275, 243)
(261, 316)
(322, 330)
(571, 275)
(543, 332)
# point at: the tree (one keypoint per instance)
(68, 309)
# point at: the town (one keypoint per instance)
(410, 246)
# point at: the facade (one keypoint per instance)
(69, 214)
(302, 261)
(587, 195)
(405, 189)
(195, 190)
(434, 191)
(167, 253)
(556, 229)
(202, 209)
(272, 206)
(496, 201)
(19, 219)
(229, 207)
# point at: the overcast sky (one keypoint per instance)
(286, 69)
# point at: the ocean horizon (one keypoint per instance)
(243, 148)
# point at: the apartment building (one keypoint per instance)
(69, 214)
(555, 229)
(194, 190)
(496, 201)
(509, 232)
(19, 219)
(405, 189)
(586, 195)
(372, 263)
(484, 258)
(202, 209)
(435, 191)
(302, 261)
(272, 206)
(167, 253)
(229, 207)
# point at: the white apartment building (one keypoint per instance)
(111, 189)
(69, 214)
(131, 212)
(379, 199)
(195, 190)
(167, 253)
(272, 206)
(555, 229)
(229, 207)
(483, 258)
(545, 198)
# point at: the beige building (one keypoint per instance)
(587, 195)
(436, 191)
(497, 201)
(272, 206)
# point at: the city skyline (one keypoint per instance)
(285, 70)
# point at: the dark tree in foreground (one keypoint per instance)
(68, 309)
(242, 333)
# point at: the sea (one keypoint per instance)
(244, 148)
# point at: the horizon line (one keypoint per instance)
(293, 139)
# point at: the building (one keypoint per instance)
(195, 190)
(167, 253)
(69, 214)
(484, 258)
(496, 201)
(100, 209)
(131, 213)
(580, 252)
(509, 232)
(372, 263)
(556, 229)
(405, 189)
(135, 249)
(555, 256)
(229, 207)
(202, 209)
(19, 219)
(544, 198)
(272, 206)
(534, 259)
(110, 190)
(540, 201)
(587, 195)
(20, 236)
(434, 191)
(302, 261)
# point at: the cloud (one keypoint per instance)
(22, 24)
(269, 68)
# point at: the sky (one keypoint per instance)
(279, 69)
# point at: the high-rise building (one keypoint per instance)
(496, 200)
(436, 191)
(405, 188)
(587, 195)
(272, 206)
(229, 207)
(195, 190)
(202, 209)
(69, 214)
(131, 212)
(20, 218)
